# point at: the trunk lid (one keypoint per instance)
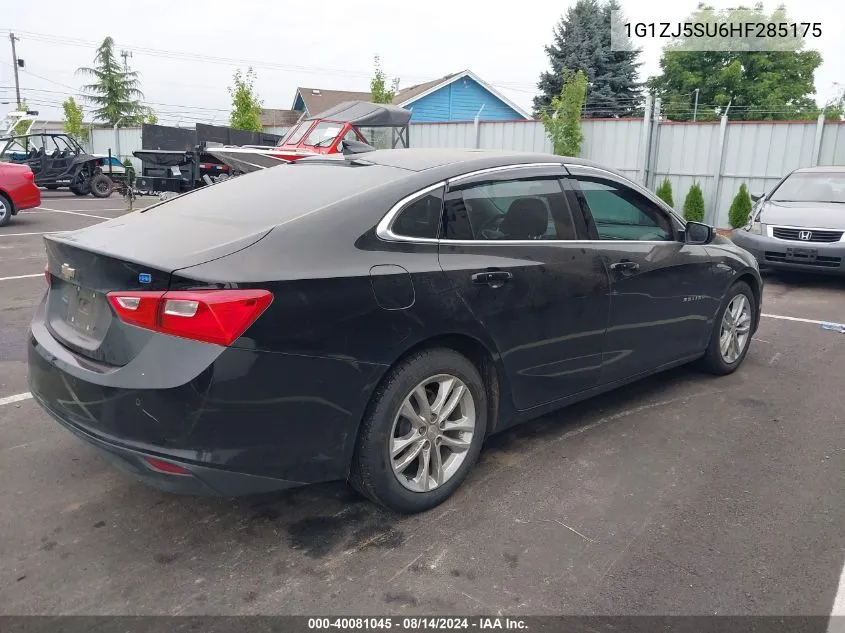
(129, 253)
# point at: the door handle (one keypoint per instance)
(625, 265)
(494, 278)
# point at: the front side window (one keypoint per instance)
(811, 187)
(421, 217)
(524, 209)
(298, 132)
(620, 213)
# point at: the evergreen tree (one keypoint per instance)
(116, 91)
(582, 42)
(664, 192)
(740, 208)
(694, 204)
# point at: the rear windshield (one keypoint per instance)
(812, 187)
(275, 195)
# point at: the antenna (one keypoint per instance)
(125, 54)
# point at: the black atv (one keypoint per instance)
(57, 160)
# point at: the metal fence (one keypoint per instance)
(719, 156)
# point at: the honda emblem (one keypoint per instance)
(804, 235)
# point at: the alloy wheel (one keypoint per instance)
(432, 433)
(4, 209)
(735, 329)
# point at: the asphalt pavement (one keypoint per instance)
(680, 494)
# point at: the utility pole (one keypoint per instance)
(695, 108)
(125, 54)
(15, 66)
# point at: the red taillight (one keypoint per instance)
(212, 316)
(166, 467)
(29, 175)
(47, 275)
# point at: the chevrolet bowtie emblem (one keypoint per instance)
(68, 272)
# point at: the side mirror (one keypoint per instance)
(698, 233)
(756, 196)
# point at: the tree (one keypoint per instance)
(740, 208)
(758, 84)
(562, 119)
(115, 91)
(582, 41)
(73, 120)
(664, 192)
(694, 204)
(151, 117)
(246, 106)
(378, 85)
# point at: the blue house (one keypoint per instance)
(458, 97)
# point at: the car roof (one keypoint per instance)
(420, 159)
(823, 169)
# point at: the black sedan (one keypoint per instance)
(373, 317)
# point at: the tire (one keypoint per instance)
(373, 473)
(51, 187)
(5, 210)
(100, 186)
(715, 361)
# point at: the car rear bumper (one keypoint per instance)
(248, 422)
(27, 197)
(774, 253)
(201, 480)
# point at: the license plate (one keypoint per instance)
(801, 254)
(83, 309)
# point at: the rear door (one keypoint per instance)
(663, 291)
(509, 247)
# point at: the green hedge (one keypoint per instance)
(740, 208)
(694, 204)
(664, 192)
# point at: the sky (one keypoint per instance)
(327, 45)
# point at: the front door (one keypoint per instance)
(508, 249)
(663, 291)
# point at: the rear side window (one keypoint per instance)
(527, 209)
(421, 217)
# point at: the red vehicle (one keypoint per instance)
(17, 190)
(346, 127)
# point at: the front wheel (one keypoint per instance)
(732, 329)
(422, 432)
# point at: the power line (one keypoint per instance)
(256, 63)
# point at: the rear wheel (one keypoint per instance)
(5, 210)
(100, 186)
(422, 433)
(731, 336)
